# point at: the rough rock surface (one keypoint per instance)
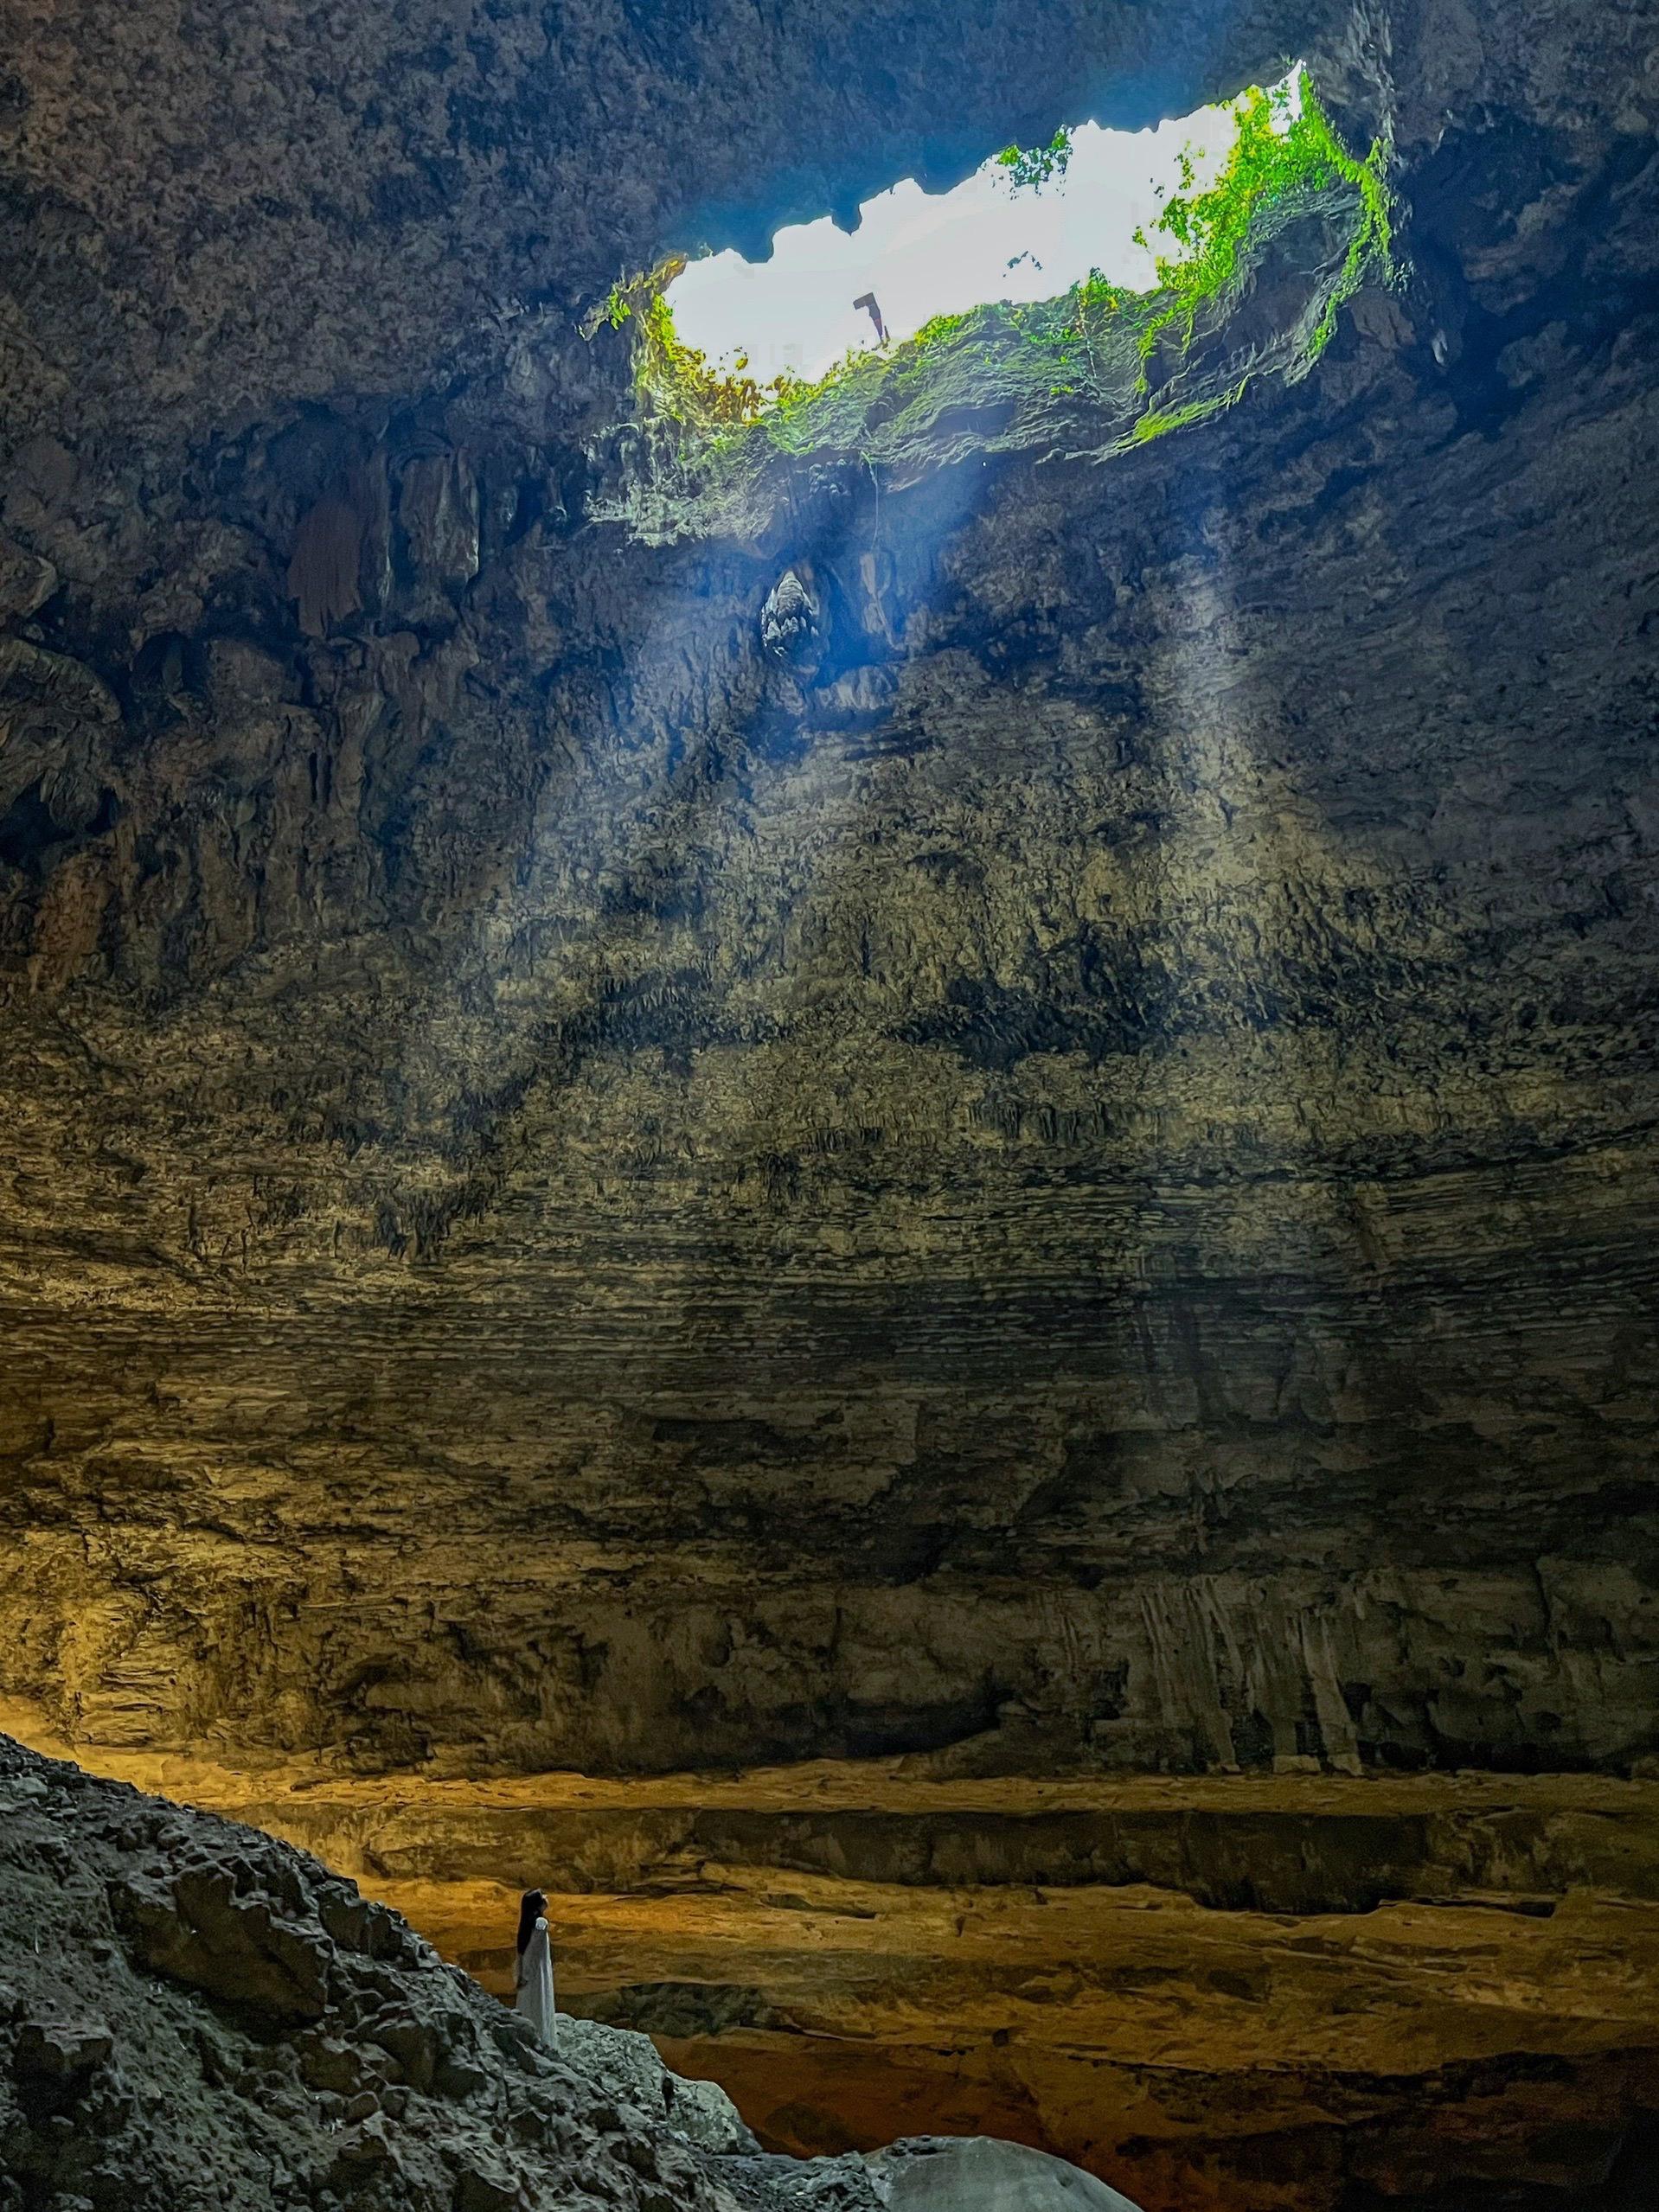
(195, 2019)
(193, 2015)
(1085, 1183)
(1054, 1168)
(1224, 1996)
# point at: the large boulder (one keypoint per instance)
(927, 2173)
(976, 2173)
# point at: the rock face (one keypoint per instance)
(192, 2016)
(614, 1159)
(1084, 1183)
(210, 218)
(1236, 1994)
(1014, 1126)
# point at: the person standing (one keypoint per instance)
(533, 1976)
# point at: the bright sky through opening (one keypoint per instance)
(923, 255)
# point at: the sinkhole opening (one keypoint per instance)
(1029, 224)
(1076, 298)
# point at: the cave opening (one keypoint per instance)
(1029, 224)
(1077, 298)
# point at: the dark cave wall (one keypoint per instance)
(1081, 1179)
(1071, 1173)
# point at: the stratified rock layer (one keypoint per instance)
(1086, 1181)
(1073, 1171)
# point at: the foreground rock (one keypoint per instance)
(1284, 1994)
(932, 2174)
(195, 2017)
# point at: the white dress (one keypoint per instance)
(535, 1984)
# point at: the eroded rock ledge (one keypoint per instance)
(195, 2019)
(1247, 1994)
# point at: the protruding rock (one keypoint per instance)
(244, 1950)
(977, 2173)
(626, 2066)
(26, 582)
(791, 623)
(160, 2027)
(479, 2190)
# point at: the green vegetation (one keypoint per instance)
(1030, 168)
(1097, 371)
(1154, 424)
(1273, 159)
(675, 381)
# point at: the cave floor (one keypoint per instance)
(1256, 1990)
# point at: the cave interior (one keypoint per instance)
(872, 1175)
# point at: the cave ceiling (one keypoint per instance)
(216, 211)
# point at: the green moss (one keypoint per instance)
(1155, 423)
(1273, 160)
(942, 326)
(1099, 370)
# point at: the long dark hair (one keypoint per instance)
(532, 1907)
